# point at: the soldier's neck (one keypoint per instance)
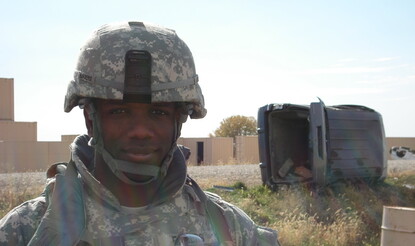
(128, 195)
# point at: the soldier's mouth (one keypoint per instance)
(139, 155)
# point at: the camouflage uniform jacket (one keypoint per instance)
(75, 209)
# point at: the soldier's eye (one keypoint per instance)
(118, 111)
(159, 112)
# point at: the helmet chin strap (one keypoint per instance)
(120, 167)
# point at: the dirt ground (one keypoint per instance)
(206, 176)
(250, 175)
(226, 175)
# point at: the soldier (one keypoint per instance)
(126, 182)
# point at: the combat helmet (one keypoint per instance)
(135, 62)
(101, 68)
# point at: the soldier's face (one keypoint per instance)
(136, 132)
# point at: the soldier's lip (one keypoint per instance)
(138, 155)
(134, 157)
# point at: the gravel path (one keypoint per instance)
(206, 176)
(226, 175)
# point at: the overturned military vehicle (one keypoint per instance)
(402, 153)
(320, 144)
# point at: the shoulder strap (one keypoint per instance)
(214, 212)
(56, 168)
(64, 219)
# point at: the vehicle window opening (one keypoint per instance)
(288, 141)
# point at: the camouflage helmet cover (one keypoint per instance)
(100, 71)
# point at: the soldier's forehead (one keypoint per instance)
(120, 102)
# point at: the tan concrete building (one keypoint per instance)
(6, 99)
(208, 151)
(246, 148)
(406, 142)
(9, 129)
(20, 150)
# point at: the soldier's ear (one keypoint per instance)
(88, 122)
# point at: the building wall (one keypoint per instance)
(222, 150)
(24, 156)
(247, 149)
(215, 150)
(6, 99)
(9, 129)
(18, 131)
(192, 143)
(20, 151)
(20, 156)
(406, 142)
(58, 152)
(68, 138)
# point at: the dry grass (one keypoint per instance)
(230, 161)
(300, 217)
(346, 214)
(19, 187)
(343, 214)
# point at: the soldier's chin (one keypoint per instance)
(138, 177)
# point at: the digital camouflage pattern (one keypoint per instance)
(100, 70)
(76, 209)
(160, 225)
(167, 74)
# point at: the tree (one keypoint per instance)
(237, 125)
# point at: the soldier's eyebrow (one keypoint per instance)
(119, 103)
(113, 102)
(162, 104)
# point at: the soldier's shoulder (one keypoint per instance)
(241, 224)
(31, 207)
(22, 221)
(230, 210)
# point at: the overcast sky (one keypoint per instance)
(247, 54)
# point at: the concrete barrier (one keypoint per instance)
(398, 226)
